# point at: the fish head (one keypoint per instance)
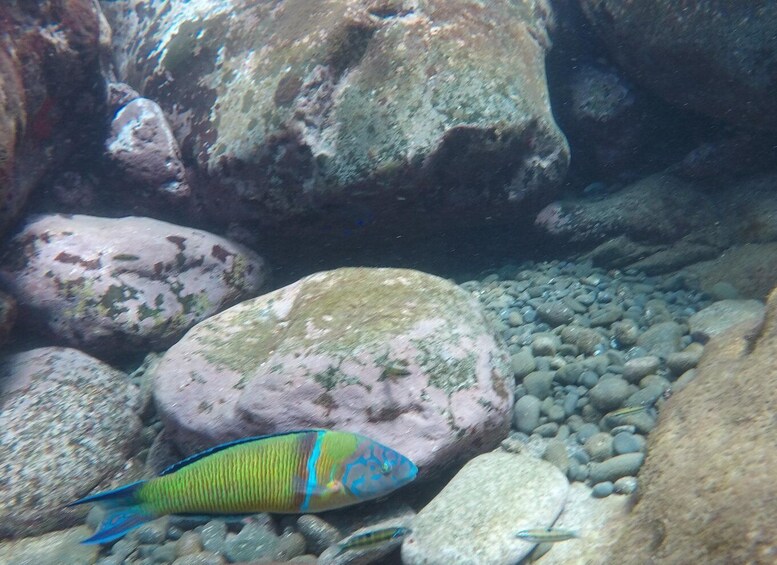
(376, 470)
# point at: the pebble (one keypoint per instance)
(661, 339)
(600, 490)
(188, 544)
(202, 558)
(214, 535)
(609, 394)
(599, 446)
(514, 318)
(154, 532)
(539, 383)
(625, 442)
(588, 379)
(547, 430)
(522, 363)
(635, 369)
(682, 361)
(606, 316)
(254, 541)
(555, 313)
(570, 373)
(587, 340)
(318, 533)
(616, 467)
(545, 345)
(526, 415)
(587, 431)
(556, 453)
(626, 331)
(625, 485)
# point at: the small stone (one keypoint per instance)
(547, 430)
(319, 533)
(625, 485)
(253, 542)
(599, 446)
(154, 532)
(539, 383)
(645, 396)
(600, 490)
(165, 553)
(724, 291)
(555, 313)
(661, 339)
(616, 467)
(545, 345)
(718, 317)
(636, 369)
(626, 332)
(606, 316)
(202, 558)
(213, 536)
(609, 394)
(685, 360)
(124, 547)
(522, 363)
(587, 340)
(625, 443)
(556, 414)
(569, 373)
(188, 544)
(526, 414)
(586, 431)
(514, 318)
(570, 403)
(588, 379)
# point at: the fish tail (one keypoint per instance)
(125, 513)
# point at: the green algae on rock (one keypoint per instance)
(402, 356)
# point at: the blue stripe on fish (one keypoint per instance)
(311, 486)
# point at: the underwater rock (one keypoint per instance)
(55, 548)
(400, 356)
(751, 269)
(7, 316)
(51, 89)
(298, 114)
(715, 58)
(474, 519)
(67, 422)
(143, 148)
(113, 286)
(721, 316)
(707, 487)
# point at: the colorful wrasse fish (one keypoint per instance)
(373, 537)
(546, 535)
(287, 473)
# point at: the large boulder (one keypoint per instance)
(403, 357)
(67, 422)
(717, 58)
(115, 286)
(707, 486)
(302, 115)
(51, 89)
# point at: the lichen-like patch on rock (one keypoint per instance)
(400, 355)
(114, 286)
(67, 421)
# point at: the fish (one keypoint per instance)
(373, 537)
(286, 473)
(627, 411)
(546, 535)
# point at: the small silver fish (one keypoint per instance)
(627, 411)
(373, 537)
(545, 535)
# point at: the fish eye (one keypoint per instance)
(386, 468)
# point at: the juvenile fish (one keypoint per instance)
(373, 537)
(545, 535)
(627, 411)
(286, 473)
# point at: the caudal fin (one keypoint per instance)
(124, 513)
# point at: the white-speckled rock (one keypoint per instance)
(720, 316)
(67, 421)
(473, 521)
(403, 357)
(597, 522)
(111, 286)
(55, 548)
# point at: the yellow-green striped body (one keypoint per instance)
(308, 471)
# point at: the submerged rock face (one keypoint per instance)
(67, 421)
(297, 111)
(115, 286)
(403, 357)
(51, 89)
(707, 486)
(718, 58)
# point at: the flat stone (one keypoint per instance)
(609, 394)
(661, 339)
(54, 548)
(639, 367)
(616, 467)
(555, 313)
(475, 517)
(522, 363)
(716, 318)
(539, 383)
(526, 415)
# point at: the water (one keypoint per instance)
(474, 232)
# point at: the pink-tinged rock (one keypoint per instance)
(114, 286)
(67, 422)
(398, 355)
(143, 148)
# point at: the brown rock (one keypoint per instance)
(708, 486)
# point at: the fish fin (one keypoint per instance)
(301, 486)
(197, 456)
(118, 522)
(122, 496)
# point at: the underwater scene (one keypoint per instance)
(401, 282)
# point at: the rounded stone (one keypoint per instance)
(545, 345)
(522, 363)
(600, 490)
(526, 415)
(188, 544)
(587, 431)
(685, 360)
(609, 394)
(635, 369)
(626, 332)
(556, 414)
(556, 453)
(599, 446)
(625, 443)
(555, 313)
(319, 534)
(539, 383)
(625, 485)
(616, 467)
